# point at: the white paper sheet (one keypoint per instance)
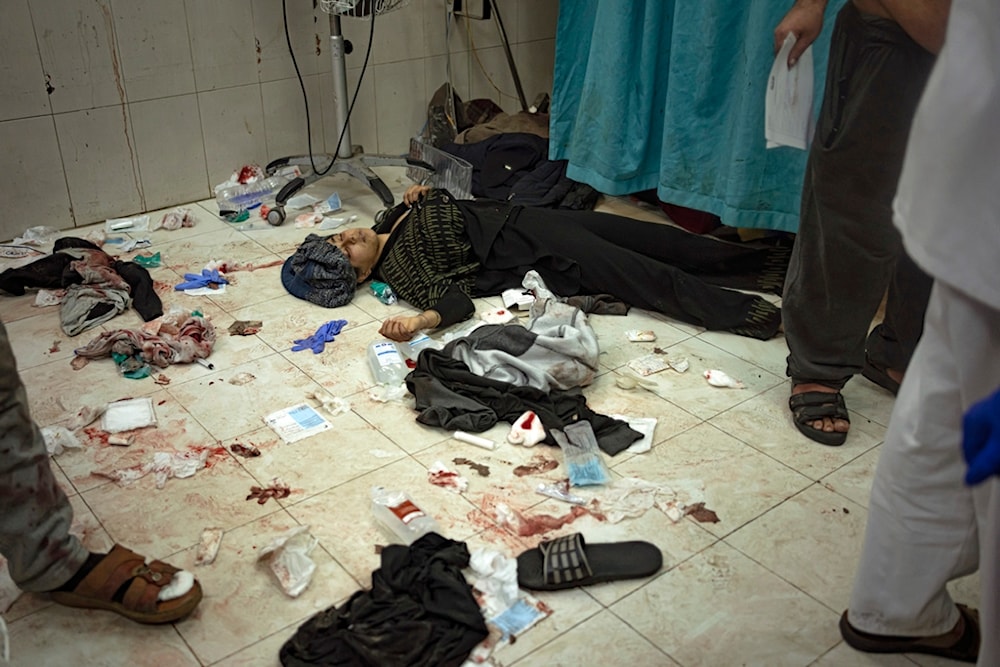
(788, 103)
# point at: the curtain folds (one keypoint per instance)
(669, 95)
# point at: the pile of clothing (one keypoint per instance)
(98, 286)
(179, 337)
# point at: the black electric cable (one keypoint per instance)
(305, 98)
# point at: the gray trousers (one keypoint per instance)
(847, 251)
(925, 526)
(35, 515)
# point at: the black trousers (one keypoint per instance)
(647, 265)
(847, 251)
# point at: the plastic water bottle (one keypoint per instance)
(400, 516)
(386, 362)
(241, 197)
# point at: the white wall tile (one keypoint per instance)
(488, 71)
(399, 34)
(77, 45)
(535, 63)
(20, 67)
(154, 47)
(308, 30)
(400, 104)
(437, 24)
(535, 19)
(222, 43)
(171, 150)
(33, 189)
(232, 122)
(102, 168)
(285, 117)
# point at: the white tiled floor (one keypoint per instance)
(764, 586)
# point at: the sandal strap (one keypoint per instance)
(564, 560)
(813, 405)
(121, 566)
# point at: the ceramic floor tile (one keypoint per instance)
(243, 600)
(56, 392)
(765, 423)
(252, 287)
(676, 541)
(569, 609)
(768, 354)
(228, 409)
(342, 518)
(342, 368)
(617, 350)
(869, 399)
(845, 656)
(854, 479)
(721, 608)
(39, 340)
(263, 653)
(175, 430)
(739, 482)
(576, 647)
(60, 635)
(513, 472)
(794, 539)
(711, 604)
(160, 522)
(605, 397)
(189, 255)
(351, 448)
(397, 420)
(203, 224)
(692, 392)
(15, 308)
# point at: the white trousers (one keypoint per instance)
(925, 526)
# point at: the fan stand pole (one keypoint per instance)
(340, 95)
(346, 162)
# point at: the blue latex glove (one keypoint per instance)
(981, 440)
(325, 334)
(206, 278)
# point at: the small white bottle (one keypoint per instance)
(386, 363)
(400, 516)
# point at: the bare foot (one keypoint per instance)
(827, 424)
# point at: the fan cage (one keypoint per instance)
(360, 8)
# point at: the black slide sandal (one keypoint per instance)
(809, 406)
(569, 562)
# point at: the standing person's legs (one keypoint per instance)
(922, 527)
(35, 518)
(35, 515)
(890, 345)
(846, 245)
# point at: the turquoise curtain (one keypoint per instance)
(669, 95)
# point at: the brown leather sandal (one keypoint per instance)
(123, 582)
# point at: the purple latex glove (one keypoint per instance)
(318, 340)
(981, 440)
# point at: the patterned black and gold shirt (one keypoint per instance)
(428, 260)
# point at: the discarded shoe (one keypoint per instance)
(568, 562)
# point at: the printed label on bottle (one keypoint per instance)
(406, 511)
(387, 354)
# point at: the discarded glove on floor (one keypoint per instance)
(317, 342)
